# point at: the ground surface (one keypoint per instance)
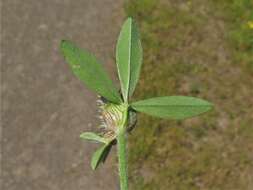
(191, 47)
(45, 107)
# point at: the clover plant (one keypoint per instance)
(117, 112)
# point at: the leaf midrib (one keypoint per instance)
(172, 105)
(129, 60)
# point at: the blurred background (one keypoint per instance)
(201, 48)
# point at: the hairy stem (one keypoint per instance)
(122, 154)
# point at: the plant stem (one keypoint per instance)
(122, 154)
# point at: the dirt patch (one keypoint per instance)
(45, 107)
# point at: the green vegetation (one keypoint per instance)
(118, 111)
(239, 18)
(201, 48)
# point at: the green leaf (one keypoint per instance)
(87, 68)
(172, 107)
(128, 57)
(93, 137)
(100, 155)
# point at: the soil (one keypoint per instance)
(45, 107)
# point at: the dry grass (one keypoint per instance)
(196, 48)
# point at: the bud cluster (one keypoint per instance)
(112, 116)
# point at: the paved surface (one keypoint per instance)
(45, 107)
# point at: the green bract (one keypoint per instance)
(93, 137)
(100, 156)
(118, 116)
